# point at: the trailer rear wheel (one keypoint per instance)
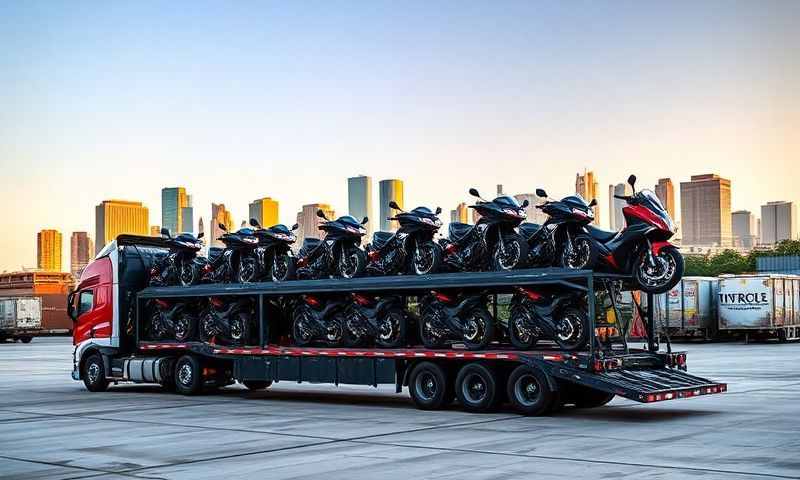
(476, 388)
(257, 384)
(25, 339)
(93, 373)
(529, 391)
(428, 386)
(188, 375)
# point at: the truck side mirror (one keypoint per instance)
(71, 306)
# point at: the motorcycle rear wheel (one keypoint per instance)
(184, 327)
(479, 329)
(301, 333)
(426, 333)
(187, 274)
(572, 329)
(351, 338)
(520, 332)
(392, 329)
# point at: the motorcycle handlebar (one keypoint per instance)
(623, 197)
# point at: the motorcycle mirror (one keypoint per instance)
(593, 202)
(201, 235)
(365, 220)
(541, 193)
(632, 181)
(222, 227)
(321, 214)
(438, 210)
(525, 203)
(244, 224)
(254, 223)
(165, 232)
(295, 226)
(394, 205)
(474, 193)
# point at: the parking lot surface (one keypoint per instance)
(52, 428)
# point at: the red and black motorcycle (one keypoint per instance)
(641, 249)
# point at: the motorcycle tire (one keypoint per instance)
(483, 329)
(157, 330)
(519, 317)
(426, 335)
(397, 322)
(357, 259)
(247, 272)
(512, 244)
(240, 328)
(350, 338)
(669, 255)
(188, 274)
(588, 254)
(432, 254)
(574, 335)
(184, 327)
(299, 316)
(288, 270)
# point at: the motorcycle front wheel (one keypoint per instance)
(478, 329)
(513, 254)
(187, 274)
(427, 258)
(352, 263)
(661, 277)
(283, 268)
(580, 255)
(521, 331)
(392, 329)
(239, 327)
(427, 332)
(352, 335)
(302, 327)
(184, 327)
(248, 269)
(572, 329)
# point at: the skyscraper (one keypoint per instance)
(219, 215)
(460, 214)
(586, 187)
(391, 189)
(532, 213)
(706, 211)
(80, 252)
(743, 227)
(666, 193)
(115, 217)
(200, 227)
(309, 222)
(265, 210)
(778, 222)
(48, 250)
(359, 201)
(176, 210)
(616, 219)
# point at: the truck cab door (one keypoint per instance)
(90, 310)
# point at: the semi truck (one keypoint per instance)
(20, 318)
(111, 343)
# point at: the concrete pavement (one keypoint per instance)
(52, 428)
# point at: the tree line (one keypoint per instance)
(731, 261)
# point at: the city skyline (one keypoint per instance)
(112, 101)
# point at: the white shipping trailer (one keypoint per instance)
(690, 307)
(20, 318)
(763, 304)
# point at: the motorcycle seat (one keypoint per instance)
(527, 229)
(600, 234)
(457, 231)
(380, 239)
(310, 243)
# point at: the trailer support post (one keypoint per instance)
(652, 344)
(591, 313)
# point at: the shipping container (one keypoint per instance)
(690, 308)
(785, 264)
(763, 304)
(20, 318)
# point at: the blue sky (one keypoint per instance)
(237, 101)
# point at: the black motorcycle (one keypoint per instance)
(338, 255)
(171, 320)
(537, 313)
(231, 321)
(274, 254)
(411, 248)
(369, 319)
(560, 240)
(318, 321)
(491, 244)
(456, 318)
(181, 265)
(237, 262)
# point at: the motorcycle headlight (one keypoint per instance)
(428, 221)
(250, 240)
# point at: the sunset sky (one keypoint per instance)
(239, 100)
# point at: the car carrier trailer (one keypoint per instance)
(110, 348)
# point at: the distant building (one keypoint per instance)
(51, 287)
(309, 222)
(666, 193)
(778, 222)
(155, 230)
(176, 210)
(744, 228)
(265, 210)
(499, 189)
(80, 252)
(359, 201)
(219, 215)
(115, 217)
(460, 214)
(48, 250)
(706, 211)
(532, 213)
(586, 186)
(616, 219)
(200, 227)
(391, 189)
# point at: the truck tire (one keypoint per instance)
(188, 375)
(25, 339)
(93, 373)
(529, 391)
(428, 386)
(476, 388)
(257, 384)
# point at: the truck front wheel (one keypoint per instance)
(188, 375)
(93, 373)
